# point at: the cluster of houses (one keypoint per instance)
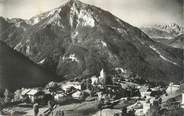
(145, 98)
(35, 95)
(38, 95)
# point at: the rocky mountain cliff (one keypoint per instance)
(78, 39)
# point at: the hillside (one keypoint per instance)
(178, 42)
(11, 30)
(17, 71)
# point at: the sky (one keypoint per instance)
(135, 12)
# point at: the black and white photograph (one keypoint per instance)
(91, 57)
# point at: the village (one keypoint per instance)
(118, 95)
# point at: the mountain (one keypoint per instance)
(78, 40)
(156, 33)
(177, 42)
(165, 34)
(11, 30)
(173, 28)
(17, 71)
(163, 31)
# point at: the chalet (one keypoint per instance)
(146, 107)
(68, 85)
(173, 89)
(60, 96)
(24, 92)
(77, 95)
(141, 108)
(144, 90)
(157, 91)
(35, 95)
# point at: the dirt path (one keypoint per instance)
(31, 112)
(79, 109)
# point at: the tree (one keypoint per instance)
(36, 109)
(17, 95)
(52, 86)
(50, 105)
(7, 96)
(131, 112)
(124, 111)
(154, 111)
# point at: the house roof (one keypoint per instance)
(76, 94)
(143, 88)
(67, 85)
(46, 91)
(32, 92)
(25, 91)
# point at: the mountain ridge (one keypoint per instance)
(165, 34)
(17, 71)
(166, 30)
(78, 39)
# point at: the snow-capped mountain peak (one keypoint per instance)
(83, 16)
(79, 14)
(170, 28)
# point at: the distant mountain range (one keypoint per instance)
(78, 40)
(173, 28)
(165, 34)
(156, 31)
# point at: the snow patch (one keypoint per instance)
(161, 56)
(59, 24)
(17, 24)
(104, 44)
(52, 12)
(120, 30)
(87, 19)
(42, 61)
(55, 20)
(83, 17)
(71, 57)
(35, 21)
